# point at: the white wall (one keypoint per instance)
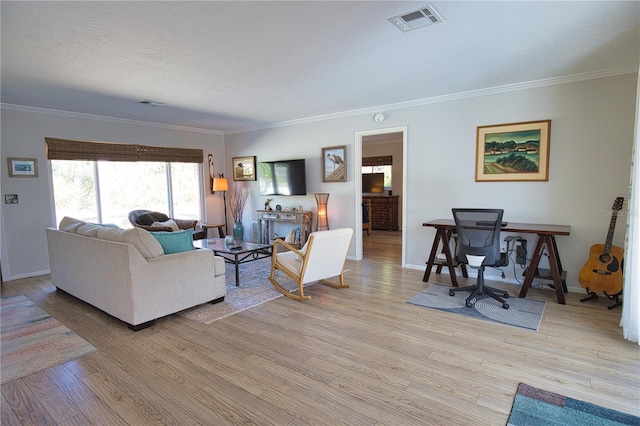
(591, 140)
(24, 245)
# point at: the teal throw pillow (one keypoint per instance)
(175, 242)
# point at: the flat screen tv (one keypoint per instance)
(373, 183)
(287, 177)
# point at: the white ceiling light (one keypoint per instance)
(423, 17)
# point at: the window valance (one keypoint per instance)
(385, 160)
(65, 149)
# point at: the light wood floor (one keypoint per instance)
(359, 356)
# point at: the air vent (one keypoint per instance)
(420, 18)
(151, 103)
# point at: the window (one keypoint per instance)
(381, 164)
(101, 182)
(380, 169)
(106, 191)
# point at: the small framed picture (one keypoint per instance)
(244, 168)
(23, 167)
(334, 164)
(513, 152)
(11, 198)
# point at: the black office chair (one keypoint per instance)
(479, 246)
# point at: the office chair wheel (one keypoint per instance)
(505, 306)
(452, 293)
(469, 304)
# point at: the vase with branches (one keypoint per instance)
(238, 200)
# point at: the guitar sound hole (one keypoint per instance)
(605, 258)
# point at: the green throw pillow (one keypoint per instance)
(175, 242)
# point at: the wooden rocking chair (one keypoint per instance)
(322, 257)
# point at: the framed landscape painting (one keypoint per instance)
(23, 167)
(513, 152)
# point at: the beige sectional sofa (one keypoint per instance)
(125, 273)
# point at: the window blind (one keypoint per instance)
(386, 160)
(65, 149)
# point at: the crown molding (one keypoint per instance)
(107, 118)
(451, 97)
(366, 111)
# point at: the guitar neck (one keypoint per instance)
(612, 227)
(617, 206)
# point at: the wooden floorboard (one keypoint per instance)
(358, 356)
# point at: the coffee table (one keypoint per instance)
(240, 252)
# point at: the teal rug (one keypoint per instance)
(536, 407)
(524, 313)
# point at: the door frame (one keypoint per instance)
(357, 167)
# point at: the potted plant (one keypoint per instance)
(238, 200)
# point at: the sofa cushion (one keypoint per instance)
(88, 229)
(147, 219)
(166, 224)
(70, 224)
(91, 229)
(141, 239)
(175, 242)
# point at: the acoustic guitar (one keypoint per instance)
(603, 271)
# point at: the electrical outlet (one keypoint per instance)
(521, 252)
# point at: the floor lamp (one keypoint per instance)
(323, 221)
(221, 184)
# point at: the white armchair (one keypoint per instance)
(322, 257)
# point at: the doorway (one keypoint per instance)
(374, 143)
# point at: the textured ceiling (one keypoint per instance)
(236, 65)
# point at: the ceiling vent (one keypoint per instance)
(151, 103)
(420, 18)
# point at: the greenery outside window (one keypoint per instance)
(133, 177)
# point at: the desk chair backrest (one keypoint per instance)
(478, 235)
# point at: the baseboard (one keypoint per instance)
(27, 275)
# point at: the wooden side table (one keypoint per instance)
(220, 227)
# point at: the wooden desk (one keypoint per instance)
(546, 238)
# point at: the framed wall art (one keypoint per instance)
(513, 152)
(23, 167)
(334, 164)
(244, 168)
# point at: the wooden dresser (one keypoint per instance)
(384, 212)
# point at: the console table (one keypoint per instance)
(267, 217)
(546, 238)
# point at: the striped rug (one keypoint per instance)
(537, 407)
(32, 341)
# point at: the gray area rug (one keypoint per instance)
(255, 289)
(524, 313)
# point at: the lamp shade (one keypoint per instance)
(220, 184)
(323, 220)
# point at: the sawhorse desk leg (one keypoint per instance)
(559, 284)
(443, 235)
